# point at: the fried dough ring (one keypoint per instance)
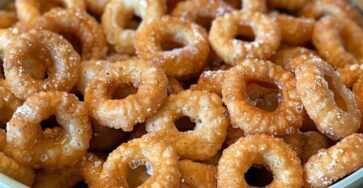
(117, 14)
(195, 174)
(358, 92)
(28, 11)
(341, 34)
(317, 9)
(156, 155)
(78, 23)
(179, 62)
(62, 75)
(295, 30)
(206, 110)
(210, 81)
(125, 113)
(202, 12)
(260, 149)
(225, 28)
(329, 165)
(252, 120)
(30, 146)
(328, 102)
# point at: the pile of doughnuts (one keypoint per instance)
(181, 93)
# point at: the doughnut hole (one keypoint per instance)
(245, 33)
(51, 128)
(258, 176)
(133, 23)
(170, 43)
(263, 95)
(139, 172)
(204, 21)
(184, 124)
(39, 63)
(338, 98)
(74, 40)
(121, 91)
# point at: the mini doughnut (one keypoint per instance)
(251, 119)
(224, 30)
(195, 174)
(179, 62)
(158, 156)
(203, 108)
(28, 10)
(329, 165)
(262, 150)
(349, 74)
(319, 8)
(59, 57)
(31, 147)
(327, 101)
(118, 13)
(295, 30)
(202, 12)
(96, 6)
(125, 113)
(335, 38)
(78, 24)
(313, 142)
(8, 103)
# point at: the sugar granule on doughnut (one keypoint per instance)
(327, 101)
(59, 59)
(263, 150)
(179, 46)
(124, 113)
(329, 165)
(205, 110)
(248, 117)
(31, 146)
(226, 28)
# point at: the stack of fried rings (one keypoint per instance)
(171, 93)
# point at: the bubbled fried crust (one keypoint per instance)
(335, 39)
(179, 62)
(210, 81)
(259, 149)
(202, 107)
(125, 113)
(78, 23)
(329, 165)
(18, 171)
(324, 105)
(350, 74)
(8, 102)
(225, 28)
(149, 150)
(195, 174)
(289, 114)
(27, 142)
